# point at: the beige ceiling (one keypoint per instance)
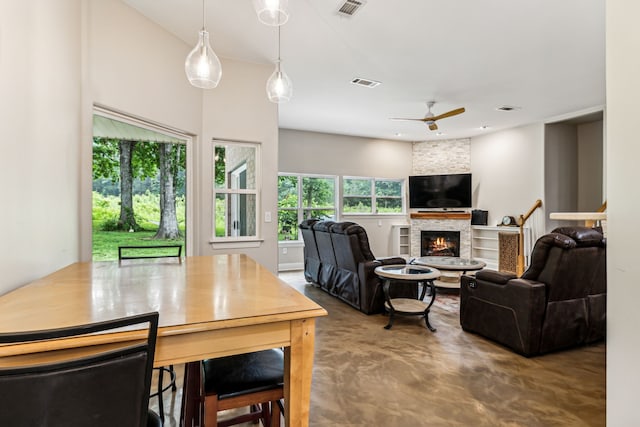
(545, 57)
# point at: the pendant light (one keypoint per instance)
(202, 66)
(272, 12)
(279, 86)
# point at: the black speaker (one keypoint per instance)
(479, 217)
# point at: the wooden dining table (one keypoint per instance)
(209, 306)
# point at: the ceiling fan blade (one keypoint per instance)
(403, 119)
(433, 126)
(449, 114)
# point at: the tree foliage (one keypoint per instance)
(318, 192)
(219, 166)
(143, 174)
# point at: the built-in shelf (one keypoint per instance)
(400, 240)
(484, 243)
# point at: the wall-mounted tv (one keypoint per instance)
(440, 191)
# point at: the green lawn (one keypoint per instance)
(106, 210)
(105, 243)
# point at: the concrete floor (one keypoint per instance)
(365, 375)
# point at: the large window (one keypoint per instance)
(301, 197)
(372, 196)
(235, 190)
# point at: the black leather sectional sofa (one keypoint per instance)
(338, 259)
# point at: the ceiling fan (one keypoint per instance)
(430, 119)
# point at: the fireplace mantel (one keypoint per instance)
(441, 215)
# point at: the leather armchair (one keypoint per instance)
(559, 302)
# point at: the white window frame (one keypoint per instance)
(374, 210)
(257, 191)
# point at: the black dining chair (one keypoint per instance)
(107, 385)
(254, 380)
(129, 252)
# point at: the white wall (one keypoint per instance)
(321, 153)
(508, 173)
(623, 205)
(138, 67)
(560, 171)
(238, 109)
(40, 70)
(590, 171)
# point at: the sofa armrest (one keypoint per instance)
(391, 260)
(499, 277)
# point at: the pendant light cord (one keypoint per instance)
(203, 17)
(278, 44)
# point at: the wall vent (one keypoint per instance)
(365, 82)
(350, 7)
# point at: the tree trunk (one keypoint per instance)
(127, 220)
(168, 228)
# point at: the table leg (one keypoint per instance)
(298, 367)
(387, 298)
(432, 286)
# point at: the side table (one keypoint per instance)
(459, 266)
(421, 275)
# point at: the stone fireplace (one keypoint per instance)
(458, 222)
(440, 243)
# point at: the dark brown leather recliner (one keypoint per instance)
(328, 264)
(559, 302)
(311, 255)
(347, 266)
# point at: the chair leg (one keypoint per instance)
(266, 414)
(275, 414)
(161, 388)
(191, 414)
(159, 394)
(256, 408)
(210, 418)
(173, 378)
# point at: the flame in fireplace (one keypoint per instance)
(439, 244)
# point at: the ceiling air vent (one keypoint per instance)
(350, 7)
(365, 82)
(507, 108)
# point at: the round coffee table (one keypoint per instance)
(448, 263)
(421, 275)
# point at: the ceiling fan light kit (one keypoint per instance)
(202, 66)
(272, 12)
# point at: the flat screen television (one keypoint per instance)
(440, 191)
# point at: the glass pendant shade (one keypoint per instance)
(279, 86)
(272, 12)
(202, 66)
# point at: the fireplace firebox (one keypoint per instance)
(440, 243)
